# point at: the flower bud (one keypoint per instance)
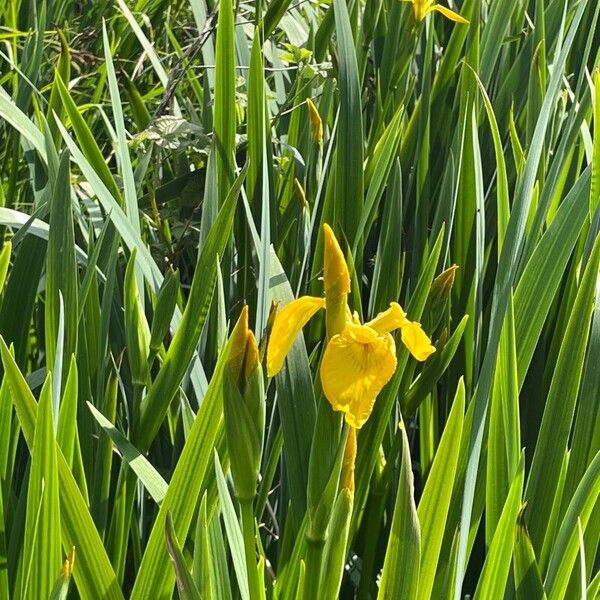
(244, 408)
(136, 327)
(442, 284)
(316, 122)
(336, 279)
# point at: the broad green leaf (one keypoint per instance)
(295, 401)
(42, 557)
(435, 500)
(504, 440)
(400, 575)
(566, 545)
(507, 268)
(234, 533)
(528, 581)
(155, 404)
(155, 576)
(348, 203)
(185, 584)
(334, 554)
(494, 576)
(148, 475)
(542, 275)
(94, 574)
(61, 272)
(560, 406)
(224, 100)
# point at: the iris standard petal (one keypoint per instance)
(356, 365)
(388, 320)
(416, 340)
(335, 270)
(421, 8)
(449, 14)
(287, 325)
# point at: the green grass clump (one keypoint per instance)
(165, 164)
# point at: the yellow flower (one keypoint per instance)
(358, 359)
(421, 8)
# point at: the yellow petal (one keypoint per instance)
(421, 8)
(449, 14)
(335, 276)
(287, 325)
(390, 319)
(356, 365)
(416, 340)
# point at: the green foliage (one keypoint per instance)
(164, 164)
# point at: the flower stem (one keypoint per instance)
(250, 548)
(314, 556)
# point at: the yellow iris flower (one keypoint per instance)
(421, 8)
(359, 359)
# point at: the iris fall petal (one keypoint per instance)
(416, 340)
(449, 14)
(356, 365)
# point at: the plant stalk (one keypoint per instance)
(248, 531)
(314, 559)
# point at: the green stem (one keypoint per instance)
(250, 548)
(314, 558)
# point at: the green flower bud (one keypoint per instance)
(244, 408)
(136, 327)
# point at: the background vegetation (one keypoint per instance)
(160, 168)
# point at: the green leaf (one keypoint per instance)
(542, 275)
(566, 545)
(507, 269)
(348, 203)
(42, 555)
(234, 533)
(61, 271)
(435, 500)
(87, 141)
(154, 576)
(67, 417)
(528, 581)
(202, 560)
(185, 584)
(560, 406)
(4, 263)
(400, 575)
(94, 574)
(224, 100)
(148, 475)
(155, 404)
(504, 440)
(295, 401)
(334, 553)
(492, 582)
